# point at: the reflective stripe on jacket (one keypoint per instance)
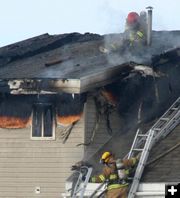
(110, 173)
(136, 36)
(98, 179)
(114, 186)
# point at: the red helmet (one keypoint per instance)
(132, 17)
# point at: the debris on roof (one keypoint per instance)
(139, 83)
(77, 57)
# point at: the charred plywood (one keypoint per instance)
(77, 56)
(53, 86)
(16, 110)
(141, 99)
(43, 86)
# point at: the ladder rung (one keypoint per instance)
(142, 135)
(157, 129)
(136, 149)
(174, 108)
(164, 119)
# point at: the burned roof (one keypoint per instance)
(77, 60)
(147, 98)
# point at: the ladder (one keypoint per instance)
(82, 181)
(102, 185)
(143, 142)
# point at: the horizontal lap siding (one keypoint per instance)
(101, 136)
(165, 168)
(26, 164)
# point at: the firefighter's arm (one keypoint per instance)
(102, 177)
(141, 36)
(98, 178)
(130, 162)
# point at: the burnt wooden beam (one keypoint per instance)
(84, 84)
(43, 86)
(53, 86)
(105, 77)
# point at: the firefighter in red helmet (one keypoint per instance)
(132, 18)
(134, 30)
(134, 36)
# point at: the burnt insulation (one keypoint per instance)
(16, 108)
(70, 104)
(152, 95)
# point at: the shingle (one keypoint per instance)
(79, 55)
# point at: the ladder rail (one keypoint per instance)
(170, 126)
(81, 185)
(141, 164)
(162, 127)
(86, 182)
(97, 189)
(76, 188)
(177, 101)
(134, 142)
(155, 125)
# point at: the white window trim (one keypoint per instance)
(42, 131)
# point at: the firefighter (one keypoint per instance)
(134, 36)
(134, 30)
(115, 172)
(143, 21)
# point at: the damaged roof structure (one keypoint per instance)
(55, 75)
(74, 64)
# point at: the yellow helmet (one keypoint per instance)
(105, 157)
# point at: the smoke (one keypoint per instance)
(138, 104)
(112, 18)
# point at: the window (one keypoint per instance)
(43, 122)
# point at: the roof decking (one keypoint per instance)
(76, 59)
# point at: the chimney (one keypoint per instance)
(149, 25)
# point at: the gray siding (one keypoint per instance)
(165, 168)
(26, 164)
(101, 136)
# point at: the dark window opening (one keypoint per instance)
(43, 122)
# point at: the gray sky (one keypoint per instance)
(22, 19)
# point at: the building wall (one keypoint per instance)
(101, 136)
(26, 164)
(165, 168)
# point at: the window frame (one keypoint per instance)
(53, 137)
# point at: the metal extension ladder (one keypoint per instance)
(143, 142)
(82, 181)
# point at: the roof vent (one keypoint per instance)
(149, 25)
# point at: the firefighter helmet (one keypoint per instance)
(105, 157)
(132, 17)
(143, 13)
